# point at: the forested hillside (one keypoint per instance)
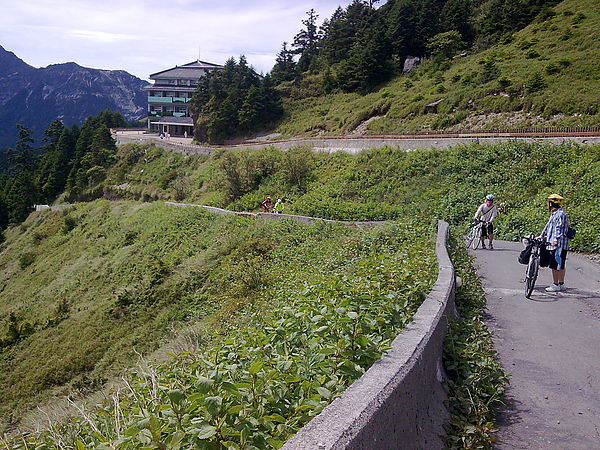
(69, 161)
(486, 65)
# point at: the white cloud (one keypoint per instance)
(146, 36)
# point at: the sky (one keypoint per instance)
(143, 37)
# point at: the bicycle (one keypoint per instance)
(533, 265)
(473, 237)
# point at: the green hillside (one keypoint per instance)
(547, 74)
(87, 289)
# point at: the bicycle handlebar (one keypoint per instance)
(539, 240)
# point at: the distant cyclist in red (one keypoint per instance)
(266, 205)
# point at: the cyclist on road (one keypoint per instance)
(555, 233)
(488, 212)
(266, 205)
(279, 206)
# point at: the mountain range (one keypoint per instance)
(34, 97)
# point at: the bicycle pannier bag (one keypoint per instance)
(525, 254)
(545, 256)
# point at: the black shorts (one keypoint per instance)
(487, 229)
(558, 258)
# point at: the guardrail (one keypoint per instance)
(400, 401)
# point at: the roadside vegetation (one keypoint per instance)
(476, 380)
(89, 288)
(266, 323)
(378, 184)
(280, 316)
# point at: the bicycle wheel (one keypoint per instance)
(531, 275)
(477, 237)
(469, 237)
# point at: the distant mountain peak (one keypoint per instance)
(67, 91)
(11, 63)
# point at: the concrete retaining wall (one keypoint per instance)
(399, 402)
(352, 146)
(355, 145)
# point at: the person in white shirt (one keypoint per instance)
(487, 212)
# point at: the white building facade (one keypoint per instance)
(169, 95)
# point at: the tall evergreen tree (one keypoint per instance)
(285, 66)
(306, 41)
(22, 158)
(3, 204)
(21, 197)
(49, 162)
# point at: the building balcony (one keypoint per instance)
(168, 100)
(166, 114)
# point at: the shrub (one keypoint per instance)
(26, 259)
(535, 83)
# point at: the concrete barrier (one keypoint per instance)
(272, 216)
(399, 403)
(356, 144)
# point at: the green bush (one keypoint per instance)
(26, 259)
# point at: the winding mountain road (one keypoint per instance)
(354, 144)
(550, 344)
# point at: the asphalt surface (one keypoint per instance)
(550, 345)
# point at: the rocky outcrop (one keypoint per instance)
(410, 63)
(35, 97)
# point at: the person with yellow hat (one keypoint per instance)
(555, 233)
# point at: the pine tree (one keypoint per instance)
(306, 41)
(285, 66)
(22, 158)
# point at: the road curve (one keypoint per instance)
(550, 344)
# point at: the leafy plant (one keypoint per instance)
(476, 381)
(288, 356)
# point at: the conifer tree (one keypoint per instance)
(306, 41)
(285, 66)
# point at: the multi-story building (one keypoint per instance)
(169, 95)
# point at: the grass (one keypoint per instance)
(544, 75)
(98, 294)
(387, 184)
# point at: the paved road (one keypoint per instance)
(550, 344)
(351, 144)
